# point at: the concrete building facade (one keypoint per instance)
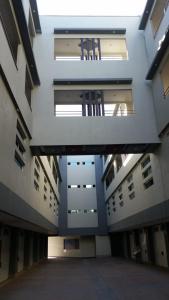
(84, 136)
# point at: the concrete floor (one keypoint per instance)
(89, 279)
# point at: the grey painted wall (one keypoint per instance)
(49, 130)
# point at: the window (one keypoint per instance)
(118, 162)
(158, 13)
(20, 130)
(71, 244)
(165, 77)
(73, 186)
(20, 146)
(44, 197)
(131, 187)
(31, 28)
(121, 203)
(132, 196)
(10, 28)
(36, 174)
(145, 162)
(19, 161)
(76, 49)
(36, 185)
(121, 196)
(110, 176)
(54, 173)
(147, 172)
(28, 86)
(37, 163)
(93, 103)
(148, 183)
(130, 178)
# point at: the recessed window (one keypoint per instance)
(147, 172)
(121, 203)
(54, 171)
(21, 131)
(71, 244)
(119, 162)
(19, 161)
(121, 196)
(114, 209)
(110, 176)
(131, 187)
(148, 183)
(130, 178)
(20, 146)
(10, 28)
(145, 161)
(132, 195)
(31, 28)
(73, 186)
(44, 197)
(36, 174)
(37, 163)
(28, 86)
(165, 77)
(158, 13)
(36, 185)
(84, 103)
(93, 48)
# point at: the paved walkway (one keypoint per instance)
(89, 279)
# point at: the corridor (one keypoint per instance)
(89, 279)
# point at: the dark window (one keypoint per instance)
(131, 187)
(20, 130)
(147, 172)
(28, 86)
(55, 173)
(9, 26)
(118, 162)
(30, 28)
(145, 162)
(148, 183)
(132, 195)
(20, 146)
(37, 164)
(71, 244)
(36, 174)
(19, 160)
(130, 178)
(110, 176)
(36, 185)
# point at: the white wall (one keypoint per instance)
(56, 247)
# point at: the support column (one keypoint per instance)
(102, 103)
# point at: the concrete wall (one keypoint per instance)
(138, 128)
(56, 247)
(103, 247)
(144, 198)
(81, 198)
(20, 182)
(152, 41)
